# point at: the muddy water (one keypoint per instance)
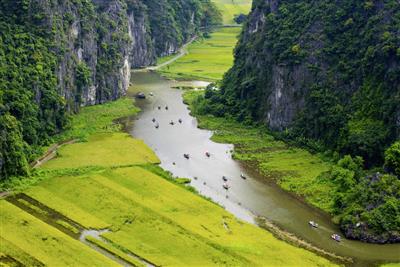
(245, 198)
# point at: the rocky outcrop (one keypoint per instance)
(108, 38)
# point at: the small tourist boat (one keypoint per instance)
(313, 224)
(141, 95)
(159, 107)
(166, 107)
(171, 122)
(224, 178)
(186, 156)
(225, 186)
(157, 126)
(208, 154)
(243, 176)
(180, 120)
(153, 120)
(151, 94)
(336, 237)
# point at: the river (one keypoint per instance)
(245, 198)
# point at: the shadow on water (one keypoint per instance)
(256, 196)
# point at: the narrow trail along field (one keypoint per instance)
(145, 212)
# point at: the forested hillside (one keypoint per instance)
(326, 75)
(56, 56)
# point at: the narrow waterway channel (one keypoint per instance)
(245, 197)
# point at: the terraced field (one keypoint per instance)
(148, 216)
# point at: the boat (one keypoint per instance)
(159, 107)
(141, 95)
(153, 120)
(224, 178)
(180, 120)
(151, 94)
(186, 156)
(172, 123)
(313, 224)
(243, 176)
(336, 237)
(208, 154)
(157, 126)
(166, 107)
(225, 186)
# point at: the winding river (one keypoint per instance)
(246, 198)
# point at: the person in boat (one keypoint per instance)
(224, 178)
(313, 224)
(336, 237)
(186, 156)
(243, 176)
(180, 120)
(208, 154)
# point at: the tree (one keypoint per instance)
(392, 158)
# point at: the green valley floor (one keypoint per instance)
(111, 182)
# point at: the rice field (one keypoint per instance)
(208, 59)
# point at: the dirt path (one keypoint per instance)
(182, 52)
(51, 153)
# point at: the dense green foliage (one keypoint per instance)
(339, 68)
(367, 206)
(58, 56)
(30, 108)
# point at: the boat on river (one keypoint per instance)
(243, 176)
(225, 186)
(336, 237)
(186, 156)
(208, 154)
(224, 178)
(141, 95)
(180, 120)
(171, 122)
(313, 224)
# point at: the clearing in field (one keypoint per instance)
(208, 59)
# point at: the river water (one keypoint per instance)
(245, 198)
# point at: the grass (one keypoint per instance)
(29, 241)
(230, 8)
(164, 223)
(98, 118)
(208, 59)
(294, 169)
(103, 149)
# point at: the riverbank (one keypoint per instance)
(109, 181)
(294, 169)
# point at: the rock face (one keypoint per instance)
(292, 53)
(59, 55)
(281, 66)
(108, 38)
